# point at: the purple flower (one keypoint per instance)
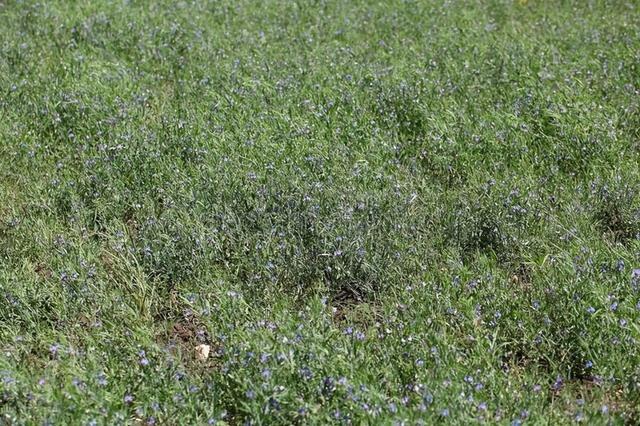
(591, 310)
(266, 374)
(306, 373)
(53, 349)
(274, 404)
(328, 385)
(635, 279)
(128, 399)
(558, 384)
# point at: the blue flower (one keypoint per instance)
(53, 349)
(266, 374)
(306, 373)
(274, 404)
(558, 384)
(328, 385)
(635, 279)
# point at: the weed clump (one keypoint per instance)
(616, 209)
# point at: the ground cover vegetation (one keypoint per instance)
(385, 212)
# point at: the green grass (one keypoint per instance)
(373, 212)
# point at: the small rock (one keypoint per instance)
(202, 352)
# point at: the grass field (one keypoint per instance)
(372, 212)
